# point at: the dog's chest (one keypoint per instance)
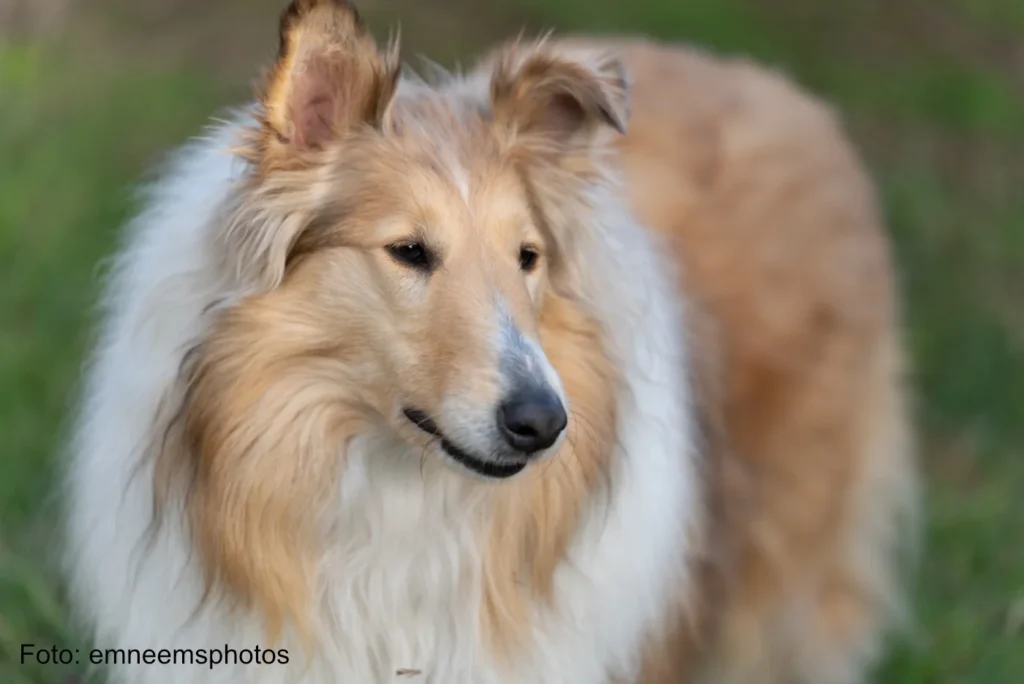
(402, 582)
(402, 577)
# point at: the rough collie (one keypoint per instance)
(582, 367)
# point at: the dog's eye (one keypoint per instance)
(528, 258)
(412, 254)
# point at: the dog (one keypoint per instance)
(582, 366)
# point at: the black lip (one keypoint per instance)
(498, 471)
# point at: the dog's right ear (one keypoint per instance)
(329, 77)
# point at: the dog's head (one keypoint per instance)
(411, 231)
(403, 244)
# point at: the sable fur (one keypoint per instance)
(714, 298)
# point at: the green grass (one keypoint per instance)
(932, 91)
(71, 141)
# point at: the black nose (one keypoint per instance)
(530, 420)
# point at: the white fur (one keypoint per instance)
(400, 584)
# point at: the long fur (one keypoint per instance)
(241, 477)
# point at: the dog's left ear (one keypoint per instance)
(329, 77)
(560, 98)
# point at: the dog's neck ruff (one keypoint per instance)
(400, 581)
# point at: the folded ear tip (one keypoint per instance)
(299, 9)
(614, 120)
(349, 7)
(616, 74)
(559, 87)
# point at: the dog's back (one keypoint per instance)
(799, 364)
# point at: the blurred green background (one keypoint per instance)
(91, 93)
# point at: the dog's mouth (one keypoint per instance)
(491, 469)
